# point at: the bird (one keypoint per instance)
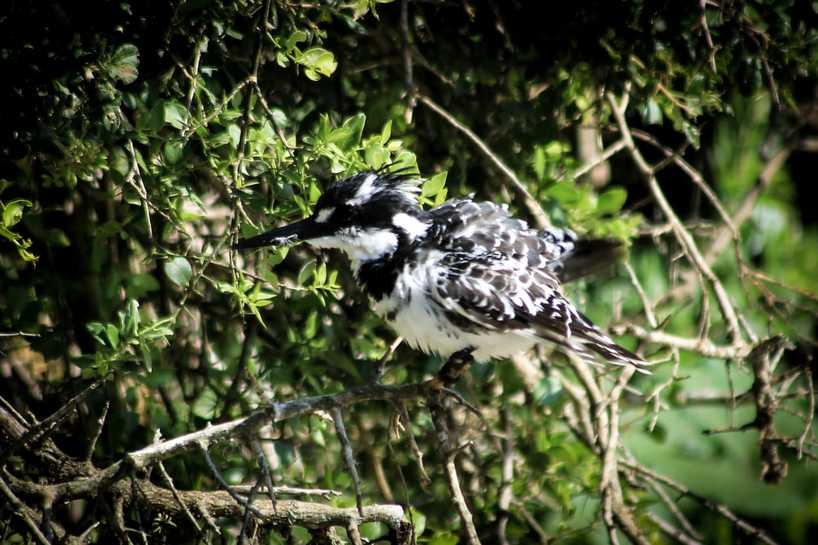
(462, 280)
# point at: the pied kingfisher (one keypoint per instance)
(464, 278)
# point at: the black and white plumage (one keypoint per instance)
(462, 276)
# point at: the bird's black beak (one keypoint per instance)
(301, 230)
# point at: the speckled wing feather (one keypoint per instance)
(500, 275)
(472, 227)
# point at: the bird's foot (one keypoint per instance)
(455, 366)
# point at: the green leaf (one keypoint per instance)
(173, 151)
(444, 538)
(120, 162)
(314, 192)
(375, 155)
(319, 277)
(96, 329)
(386, 132)
(611, 201)
(234, 131)
(147, 359)
(419, 520)
(130, 319)
(174, 114)
(406, 161)
(140, 284)
(311, 325)
(651, 112)
(373, 530)
(538, 162)
(348, 135)
(306, 272)
(112, 335)
(277, 255)
(435, 184)
(179, 271)
(13, 212)
(318, 60)
(205, 405)
(124, 63)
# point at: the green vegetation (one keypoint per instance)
(141, 139)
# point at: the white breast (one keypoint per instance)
(416, 318)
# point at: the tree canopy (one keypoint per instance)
(159, 387)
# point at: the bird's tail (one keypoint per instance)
(593, 344)
(589, 256)
(605, 348)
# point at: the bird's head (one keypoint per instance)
(366, 215)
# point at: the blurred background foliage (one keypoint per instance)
(140, 138)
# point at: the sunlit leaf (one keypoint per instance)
(179, 271)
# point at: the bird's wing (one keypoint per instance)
(491, 291)
(484, 227)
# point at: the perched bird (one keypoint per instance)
(462, 279)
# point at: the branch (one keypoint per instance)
(24, 512)
(274, 413)
(349, 456)
(531, 204)
(745, 209)
(45, 428)
(682, 235)
(453, 480)
(704, 347)
(722, 510)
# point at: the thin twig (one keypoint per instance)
(810, 413)
(719, 508)
(406, 50)
(745, 208)
(531, 204)
(203, 447)
(506, 494)
(676, 533)
(705, 347)
(44, 428)
(349, 456)
(606, 154)
(139, 185)
(711, 58)
(673, 507)
(646, 306)
(446, 444)
(413, 446)
(250, 498)
(267, 472)
(197, 55)
(177, 497)
(22, 510)
(683, 235)
(257, 61)
(529, 518)
(97, 431)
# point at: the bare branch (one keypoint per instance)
(24, 512)
(531, 204)
(453, 480)
(349, 456)
(683, 235)
(97, 431)
(705, 346)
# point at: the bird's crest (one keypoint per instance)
(368, 186)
